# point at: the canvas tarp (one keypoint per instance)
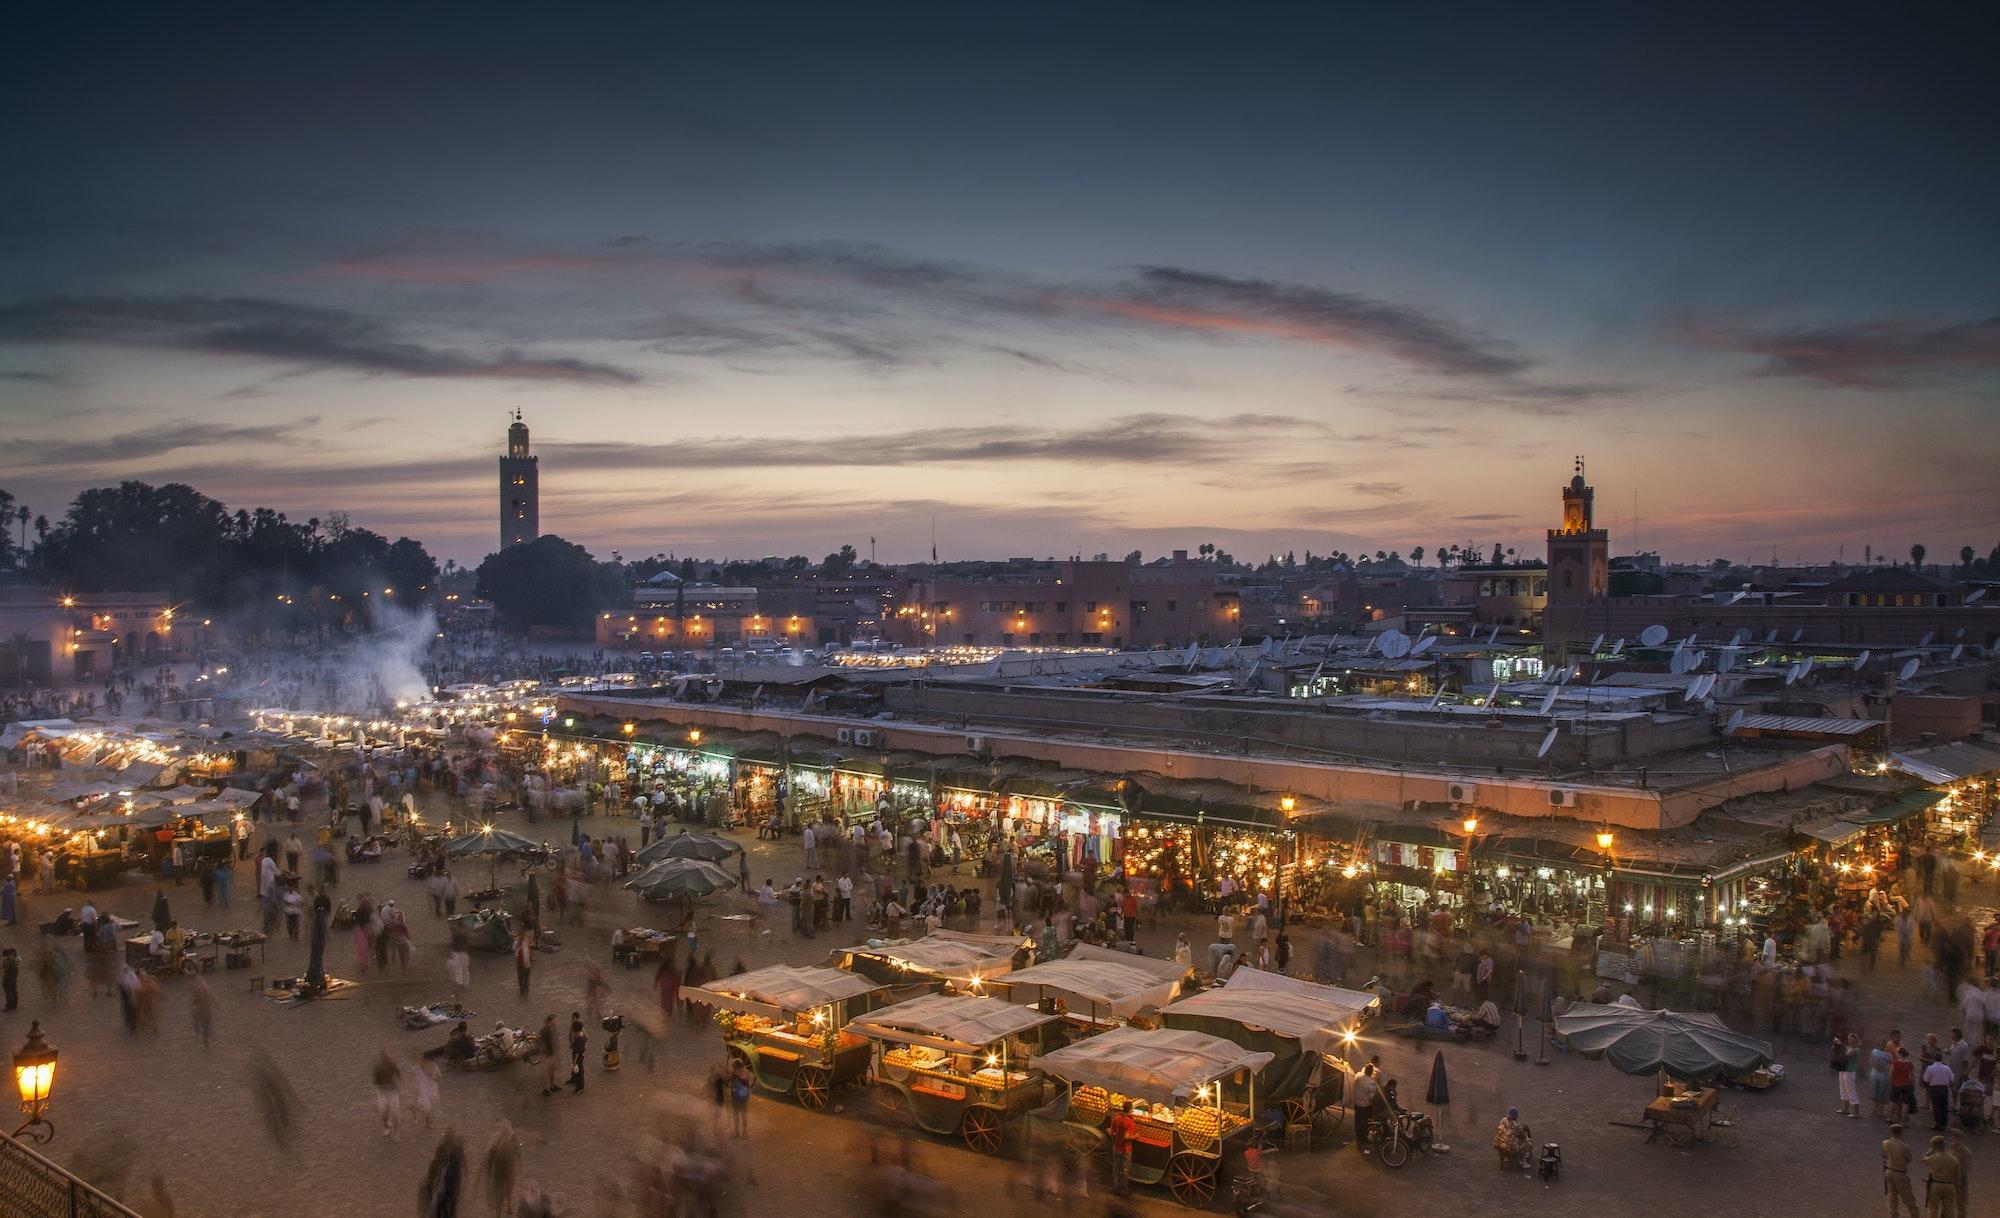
(933, 955)
(781, 989)
(1314, 1023)
(955, 1023)
(1693, 1046)
(1360, 1001)
(1092, 986)
(1159, 1065)
(1154, 966)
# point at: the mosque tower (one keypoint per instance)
(520, 489)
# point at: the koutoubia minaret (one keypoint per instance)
(520, 490)
(1579, 565)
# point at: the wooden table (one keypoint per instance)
(1681, 1123)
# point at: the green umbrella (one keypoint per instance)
(685, 845)
(680, 880)
(1695, 1047)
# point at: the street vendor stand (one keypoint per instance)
(1193, 1096)
(788, 1024)
(1308, 1028)
(1093, 989)
(957, 1063)
(949, 958)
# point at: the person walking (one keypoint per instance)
(1896, 1160)
(10, 978)
(503, 1158)
(1957, 1149)
(524, 957)
(444, 1181)
(387, 1077)
(424, 1080)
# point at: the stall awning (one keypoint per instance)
(1161, 1065)
(949, 958)
(1314, 1022)
(1904, 806)
(1948, 763)
(955, 1023)
(782, 989)
(1833, 831)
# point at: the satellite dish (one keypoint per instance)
(1724, 661)
(1689, 641)
(1957, 650)
(1652, 636)
(1491, 694)
(1597, 646)
(1695, 659)
(1193, 655)
(1975, 596)
(1909, 670)
(1678, 663)
(1562, 675)
(1693, 689)
(1395, 644)
(1617, 648)
(1771, 636)
(1861, 661)
(1437, 698)
(1926, 640)
(1707, 685)
(1495, 636)
(1960, 634)
(1735, 721)
(1549, 701)
(1264, 648)
(1368, 650)
(1791, 674)
(1424, 644)
(1805, 666)
(1798, 634)
(1739, 638)
(1548, 742)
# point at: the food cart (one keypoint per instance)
(1193, 1096)
(950, 958)
(1309, 1028)
(788, 1024)
(1094, 989)
(956, 1063)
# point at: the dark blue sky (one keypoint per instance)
(777, 277)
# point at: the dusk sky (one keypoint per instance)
(771, 278)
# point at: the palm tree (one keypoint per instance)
(1965, 556)
(1917, 556)
(23, 514)
(1417, 555)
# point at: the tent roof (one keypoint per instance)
(941, 957)
(1160, 1065)
(1110, 986)
(1155, 966)
(784, 989)
(1313, 1022)
(952, 1022)
(1359, 1001)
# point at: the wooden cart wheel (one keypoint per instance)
(810, 1084)
(1192, 1179)
(894, 1105)
(981, 1129)
(738, 1055)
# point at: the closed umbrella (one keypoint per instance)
(1694, 1047)
(685, 845)
(1438, 1094)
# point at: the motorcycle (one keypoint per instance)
(1402, 1131)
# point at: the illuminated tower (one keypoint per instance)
(1579, 565)
(520, 495)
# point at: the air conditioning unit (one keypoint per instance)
(1562, 799)
(863, 738)
(844, 736)
(1462, 792)
(978, 745)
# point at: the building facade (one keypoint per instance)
(1070, 604)
(520, 489)
(1579, 565)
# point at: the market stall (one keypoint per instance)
(788, 1024)
(1307, 1028)
(1093, 989)
(1193, 1098)
(957, 1063)
(950, 959)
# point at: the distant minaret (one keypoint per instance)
(1579, 564)
(520, 490)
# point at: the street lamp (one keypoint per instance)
(630, 728)
(35, 1077)
(1471, 824)
(694, 735)
(1604, 841)
(1286, 803)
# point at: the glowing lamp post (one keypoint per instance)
(35, 1077)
